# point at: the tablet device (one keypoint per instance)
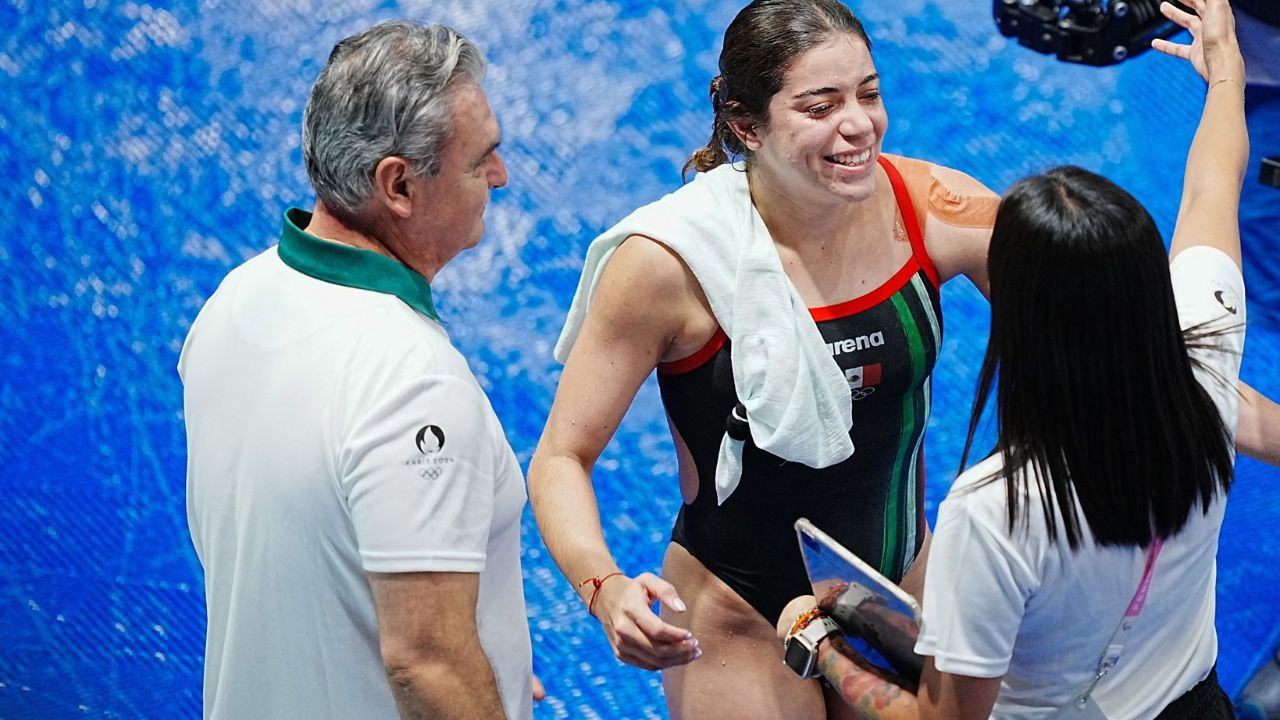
(878, 618)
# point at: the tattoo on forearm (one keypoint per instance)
(863, 687)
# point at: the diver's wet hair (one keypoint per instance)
(760, 45)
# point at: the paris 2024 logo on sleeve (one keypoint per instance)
(430, 439)
(430, 462)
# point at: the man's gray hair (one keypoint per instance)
(384, 92)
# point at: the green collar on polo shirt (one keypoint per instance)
(351, 266)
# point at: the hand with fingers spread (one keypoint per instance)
(1213, 52)
(638, 636)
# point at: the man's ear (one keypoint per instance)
(391, 185)
(745, 129)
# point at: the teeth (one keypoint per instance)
(851, 159)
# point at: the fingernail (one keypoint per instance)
(679, 605)
(697, 654)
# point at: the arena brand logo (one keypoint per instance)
(854, 344)
(863, 380)
(430, 439)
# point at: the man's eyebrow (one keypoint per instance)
(825, 90)
(486, 154)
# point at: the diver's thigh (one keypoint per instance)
(737, 678)
(740, 674)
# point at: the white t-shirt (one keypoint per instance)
(1039, 614)
(334, 432)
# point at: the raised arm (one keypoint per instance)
(632, 321)
(1209, 213)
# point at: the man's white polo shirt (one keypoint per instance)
(333, 431)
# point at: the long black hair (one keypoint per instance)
(1095, 396)
(760, 45)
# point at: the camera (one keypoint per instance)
(1089, 32)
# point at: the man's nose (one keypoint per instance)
(498, 173)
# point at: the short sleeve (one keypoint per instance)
(419, 481)
(1209, 291)
(976, 590)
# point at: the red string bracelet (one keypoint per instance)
(596, 582)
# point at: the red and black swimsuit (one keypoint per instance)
(886, 342)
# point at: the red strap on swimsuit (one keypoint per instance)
(909, 221)
(906, 209)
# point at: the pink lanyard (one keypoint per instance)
(1140, 597)
(1115, 645)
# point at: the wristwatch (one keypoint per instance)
(801, 646)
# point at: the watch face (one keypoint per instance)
(799, 658)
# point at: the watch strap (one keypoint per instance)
(817, 629)
(800, 650)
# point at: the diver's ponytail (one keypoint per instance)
(723, 141)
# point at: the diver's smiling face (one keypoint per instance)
(825, 124)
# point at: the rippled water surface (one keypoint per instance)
(148, 148)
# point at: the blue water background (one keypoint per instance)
(146, 149)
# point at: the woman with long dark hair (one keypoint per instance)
(1072, 572)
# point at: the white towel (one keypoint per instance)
(797, 399)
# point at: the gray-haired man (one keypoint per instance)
(350, 492)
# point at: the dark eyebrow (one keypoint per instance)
(825, 90)
(486, 154)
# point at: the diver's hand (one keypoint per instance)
(638, 636)
(1213, 52)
